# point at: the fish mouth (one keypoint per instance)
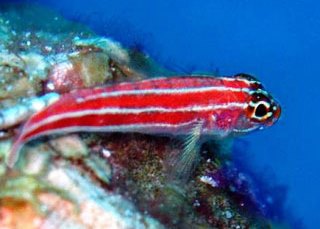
(277, 113)
(276, 116)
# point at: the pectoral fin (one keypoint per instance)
(189, 156)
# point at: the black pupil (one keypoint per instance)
(261, 110)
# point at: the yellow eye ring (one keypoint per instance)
(261, 111)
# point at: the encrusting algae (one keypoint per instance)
(102, 180)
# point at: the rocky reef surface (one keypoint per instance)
(102, 180)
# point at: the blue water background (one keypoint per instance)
(278, 41)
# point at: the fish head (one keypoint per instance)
(261, 110)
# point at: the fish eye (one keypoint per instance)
(260, 107)
(261, 110)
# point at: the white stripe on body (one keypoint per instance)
(141, 127)
(115, 110)
(149, 128)
(160, 92)
(248, 82)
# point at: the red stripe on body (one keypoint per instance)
(170, 118)
(85, 99)
(167, 118)
(159, 105)
(69, 102)
(148, 100)
(179, 82)
(166, 83)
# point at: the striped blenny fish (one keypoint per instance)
(193, 106)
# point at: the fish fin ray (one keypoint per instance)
(186, 162)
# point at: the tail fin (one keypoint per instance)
(14, 153)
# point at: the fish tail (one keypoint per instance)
(14, 153)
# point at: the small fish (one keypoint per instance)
(193, 106)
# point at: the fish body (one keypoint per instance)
(219, 106)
